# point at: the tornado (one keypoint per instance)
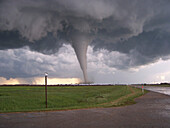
(80, 42)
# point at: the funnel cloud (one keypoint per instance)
(137, 31)
(80, 43)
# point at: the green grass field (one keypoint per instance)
(27, 98)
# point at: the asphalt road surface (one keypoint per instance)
(151, 111)
(163, 90)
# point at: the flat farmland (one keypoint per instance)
(32, 98)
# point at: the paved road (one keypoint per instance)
(163, 90)
(151, 111)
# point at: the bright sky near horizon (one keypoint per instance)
(40, 80)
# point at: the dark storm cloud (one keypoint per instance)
(13, 40)
(138, 28)
(145, 48)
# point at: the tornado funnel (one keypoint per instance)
(80, 44)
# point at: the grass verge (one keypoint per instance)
(24, 99)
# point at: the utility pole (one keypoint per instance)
(46, 74)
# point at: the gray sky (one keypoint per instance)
(128, 40)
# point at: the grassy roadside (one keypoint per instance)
(22, 99)
(127, 99)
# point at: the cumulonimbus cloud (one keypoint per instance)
(139, 29)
